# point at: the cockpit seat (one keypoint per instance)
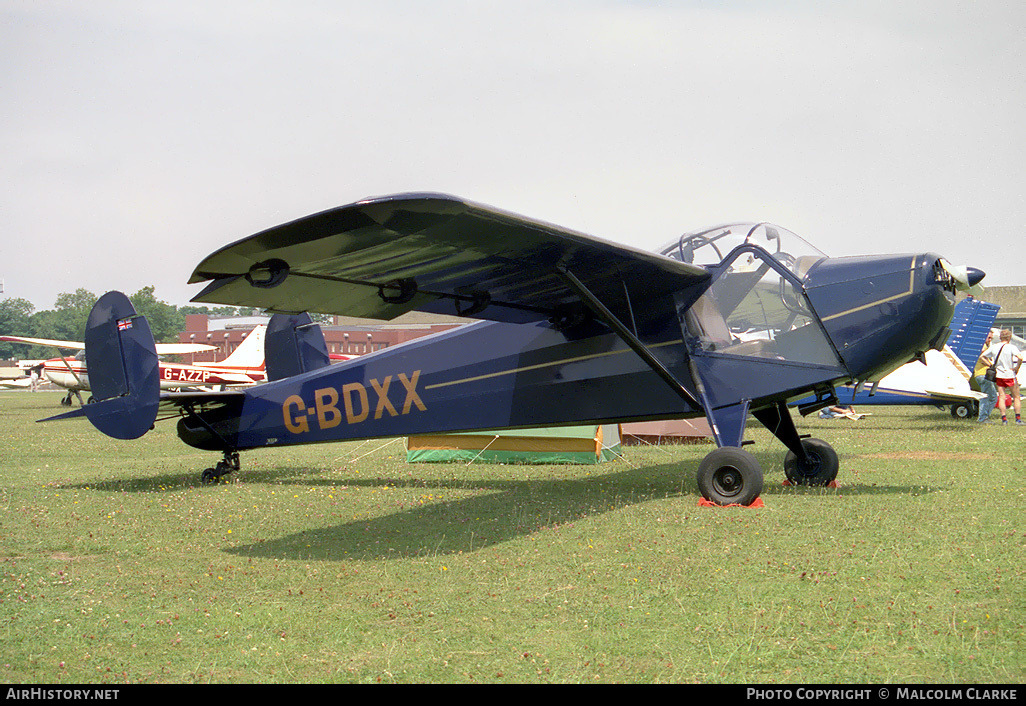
(712, 329)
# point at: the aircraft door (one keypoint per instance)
(753, 309)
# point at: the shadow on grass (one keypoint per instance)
(181, 481)
(500, 511)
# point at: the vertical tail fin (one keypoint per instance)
(250, 353)
(123, 369)
(294, 345)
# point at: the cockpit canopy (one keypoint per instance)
(756, 305)
(709, 246)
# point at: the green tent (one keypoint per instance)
(560, 445)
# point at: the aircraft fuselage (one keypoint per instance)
(876, 314)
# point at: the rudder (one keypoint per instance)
(293, 344)
(969, 326)
(123, 368)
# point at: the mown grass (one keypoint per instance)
(344, 563)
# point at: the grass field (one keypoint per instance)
(344, 563)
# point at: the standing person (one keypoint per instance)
(986, 386)
(1007, 359)
(35, 377)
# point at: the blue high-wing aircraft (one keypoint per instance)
(722, 323)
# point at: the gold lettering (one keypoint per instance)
(353, 417)
(383, 402)
(295, 424)
(412, 398)
(328, 415)
(355, 404)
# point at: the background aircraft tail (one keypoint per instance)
(123, 370)
(249, 354)
(294, 344)
(969, 327)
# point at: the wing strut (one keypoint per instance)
(627, 336)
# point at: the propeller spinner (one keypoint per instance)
(967, 279)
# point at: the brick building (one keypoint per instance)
(346, 335)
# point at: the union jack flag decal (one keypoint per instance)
(124, 324)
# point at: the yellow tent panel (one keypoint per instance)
(561, 445)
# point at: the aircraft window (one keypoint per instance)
(753, 310)
(709, 247)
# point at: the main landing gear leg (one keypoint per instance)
(808, 461)
(66, 400)
(229, 464)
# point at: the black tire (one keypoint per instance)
(820, 469)
(208, 476)
(961, 410)
(730, 475)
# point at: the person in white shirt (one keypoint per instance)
(1008, 360)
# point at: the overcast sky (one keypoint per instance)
(137, 137)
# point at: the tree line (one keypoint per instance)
(67, 320)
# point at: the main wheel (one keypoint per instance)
(820, 468)
(730, 475)
(964, 410)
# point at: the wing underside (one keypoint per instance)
(382, 257)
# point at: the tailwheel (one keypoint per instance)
(730, 475)
(819, 467)
(229, 464)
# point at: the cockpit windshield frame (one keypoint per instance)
(708, 247)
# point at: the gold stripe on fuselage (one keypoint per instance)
(539, 366)
(911, 289)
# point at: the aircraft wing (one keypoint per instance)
(949, 396)
(182, 348)
(162, 348)
(72, 345)
(382, 257)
